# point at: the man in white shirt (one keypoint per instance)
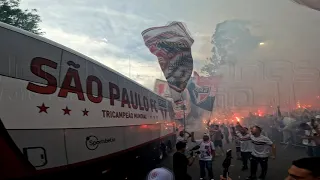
(207, 152)
(245, 146)
(181, 136)
(260, 153)
(216, 138)
(308, 138)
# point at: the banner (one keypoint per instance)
(199, 96)
(203, 90)
(162, 89)
(172, 46)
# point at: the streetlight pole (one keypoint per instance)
(294, 95)
(278, 91)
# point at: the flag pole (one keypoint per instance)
(214, 100)
(211, 110)
(184, 115)
(184, 118)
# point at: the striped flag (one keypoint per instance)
(203, 90)
(172, 46)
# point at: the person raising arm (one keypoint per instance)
(260, 153)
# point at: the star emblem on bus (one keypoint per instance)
(43, 108)
(85, 112)
(66, 110)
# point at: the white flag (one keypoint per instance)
(172, 45)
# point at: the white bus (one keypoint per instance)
(64, 114)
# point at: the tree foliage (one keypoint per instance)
(10, 13)
(232, 40)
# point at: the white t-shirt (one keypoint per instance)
(206, 149)
(307, 141)
(245, 142)
(179, 138)
(261, 146)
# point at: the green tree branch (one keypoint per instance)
(10, 13)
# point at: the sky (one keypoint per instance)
(109, 31)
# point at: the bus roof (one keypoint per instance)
(43, 39)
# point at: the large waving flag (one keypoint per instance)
(172, 45)
(203, 90)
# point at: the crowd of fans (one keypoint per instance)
(254, 146)
(300, 127)
(255, 139)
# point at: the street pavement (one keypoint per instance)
(277, 167)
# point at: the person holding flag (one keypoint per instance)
(245, 145)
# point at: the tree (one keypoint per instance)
(232, 40)
(10, 13)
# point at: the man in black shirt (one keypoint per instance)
(305, 169)
(181, 162)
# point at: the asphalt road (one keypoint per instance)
(277, 167)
